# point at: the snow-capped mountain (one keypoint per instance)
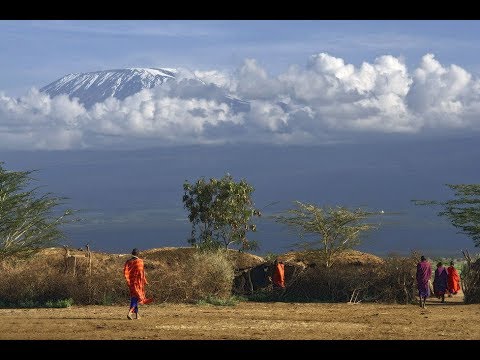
(97, 86)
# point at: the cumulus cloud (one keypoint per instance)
(219, 78)
(322, 100)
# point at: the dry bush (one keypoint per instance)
(391, 280)
(471, 280)
(43, 278)
(172, 257)
(335, 284)
(203, 275)
(396, 280)
(32, 282)
(351, 278)
(189, 275)
(346, 257)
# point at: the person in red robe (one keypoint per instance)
(278, 278)
(134, 273)
(453, 280)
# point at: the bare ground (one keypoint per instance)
(247, 321)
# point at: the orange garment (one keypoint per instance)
(134, 273)
(279, 275)
(453, 280)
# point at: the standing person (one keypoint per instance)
(134, 273)
(278, 277)
(424, 273)
(440, 281)
(453, 280)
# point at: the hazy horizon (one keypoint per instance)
(133, 198)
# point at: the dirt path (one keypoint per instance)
(265, 321)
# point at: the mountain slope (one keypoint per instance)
(97, 86)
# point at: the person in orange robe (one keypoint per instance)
(278, 278)
(134, 273)
(453, 279)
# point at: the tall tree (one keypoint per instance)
(220, 211)
(333, 229)
(463, 211)
(28, 221)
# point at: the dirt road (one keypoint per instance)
(247, 320)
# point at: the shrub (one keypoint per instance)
(333, 284)
(42, 280)
(396, 280)
(204, 275)
(391, 281)
(470, 279)
(200, 277)
(65, 303)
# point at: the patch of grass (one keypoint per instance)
(212, 300)
(32, 304)
(29, 304)
(240, 298)
(64, 303)
(264, 295)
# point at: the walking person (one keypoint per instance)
(134, 273)
(423, 275)
(278, 278)
(453, 280)
(440, 281)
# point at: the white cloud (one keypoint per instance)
(267, 115)
(254, 82)
(443, 96)
(218, 78)
(323, 100)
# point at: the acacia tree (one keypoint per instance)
(27, 219)
(463, 211)
(220, 211)
(334, 229)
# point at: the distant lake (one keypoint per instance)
(134, 198)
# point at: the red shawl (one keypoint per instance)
(134, 273)
(453, 280)
(279, 275)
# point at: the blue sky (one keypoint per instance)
(38, 52)
(306, 81)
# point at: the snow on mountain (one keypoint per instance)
(97, 86)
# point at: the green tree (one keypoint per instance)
(463, 211)
(220, 211)
(27, 219)
(334, 229)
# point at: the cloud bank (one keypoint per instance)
(322, 101)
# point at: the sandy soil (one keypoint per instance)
(247, 320)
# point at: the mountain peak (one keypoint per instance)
(97, 86)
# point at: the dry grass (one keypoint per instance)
(354, 277)
(348, 257)
(187, 275)
(174, 275)
(197, 277)
(471, 281)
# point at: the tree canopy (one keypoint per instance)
(220, 211)
(463, 211)
(28, 221)
(334, 229)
